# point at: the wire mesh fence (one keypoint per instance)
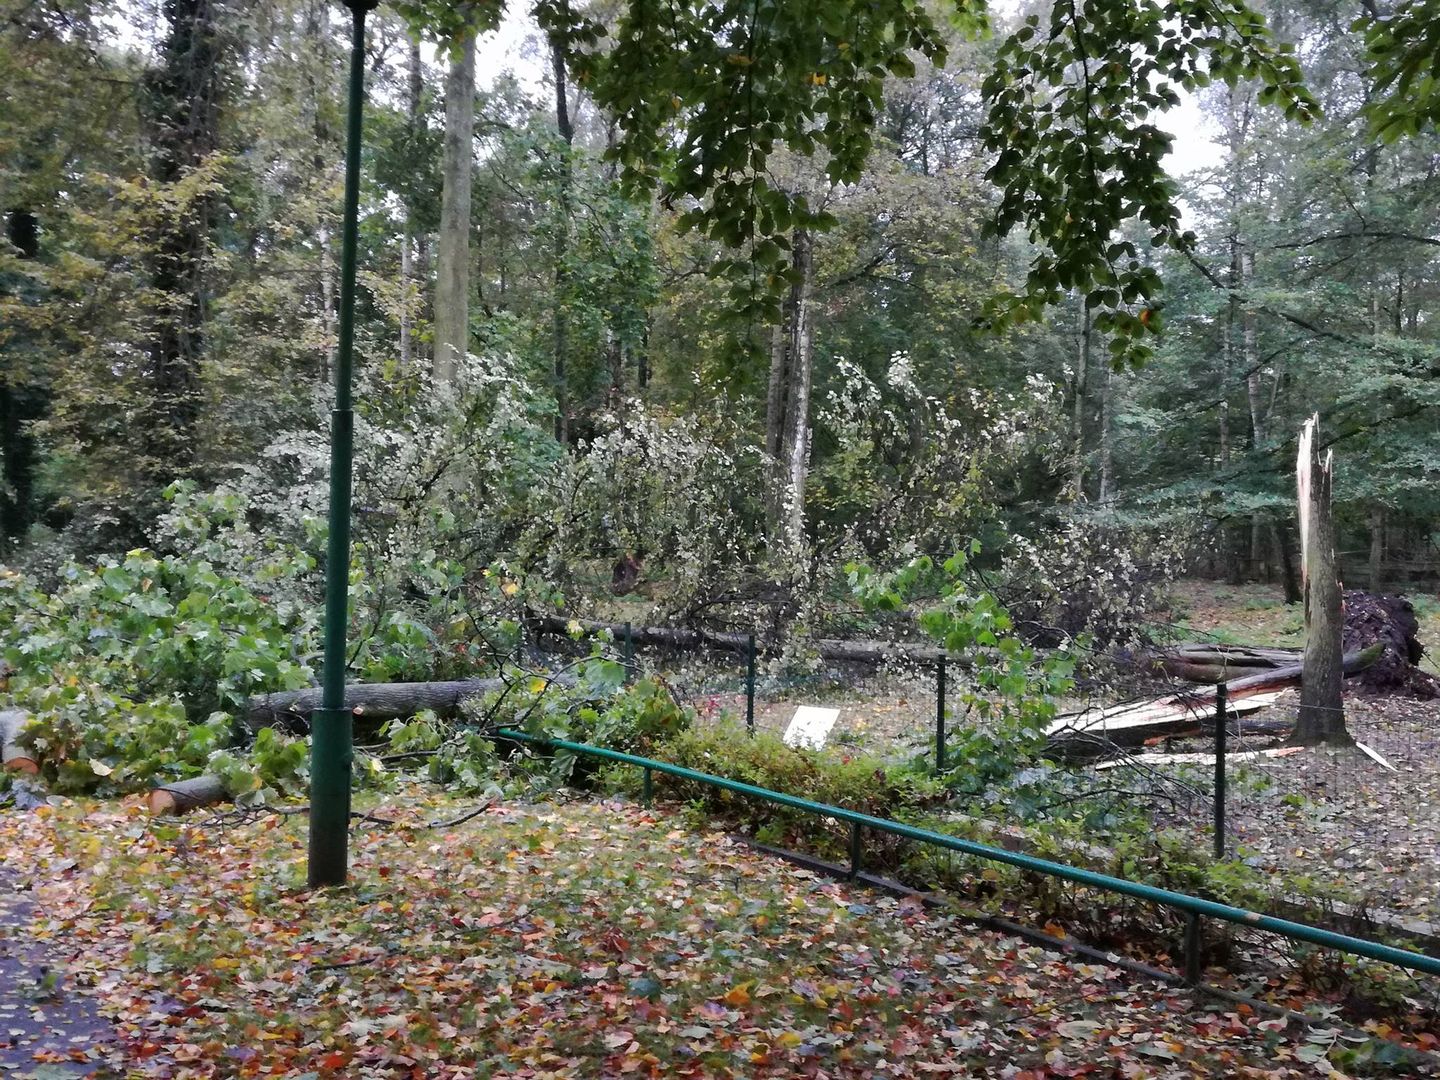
(1361, 823)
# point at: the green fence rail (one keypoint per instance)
(1194, 907)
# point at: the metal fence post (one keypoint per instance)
(750, 684)
(940, 714)
(854, 850)
(1192, 949)
(647, 788)
(1220, 733)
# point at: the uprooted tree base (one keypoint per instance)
(1370, 618)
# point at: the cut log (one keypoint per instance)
(1093, 733)
(13, 756)
(669, 637)
(185, 795)
(370, 701)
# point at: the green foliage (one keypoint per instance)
(856, 781)
(273, 763)
(1072, 122)
(1005, 692)
(1402, 46)
(735, 81)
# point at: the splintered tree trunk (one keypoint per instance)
(452, 279)
(1321, 720)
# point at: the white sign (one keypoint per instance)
(811, 726)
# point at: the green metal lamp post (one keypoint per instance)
(330, 725)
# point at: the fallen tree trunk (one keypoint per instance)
(1092, 733)
(13, 756)
(370, 701)
(185, 795)
(834, 649)
(1370, 618)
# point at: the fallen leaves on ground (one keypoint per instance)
(583, 939)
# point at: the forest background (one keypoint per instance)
(168, 304)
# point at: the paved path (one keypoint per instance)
(46, 1032)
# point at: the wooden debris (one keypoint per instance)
(185, 795)
(1198, 759)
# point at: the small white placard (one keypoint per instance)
(811, 726)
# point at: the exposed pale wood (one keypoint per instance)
(1198, 759)
(1374, 755)
(13, 756)
(185, 795)
(1093, 732)
(1321, 719)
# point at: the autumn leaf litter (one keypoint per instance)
(579, 939)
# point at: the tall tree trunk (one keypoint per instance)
(452, 279)
(796, 448)
(22, 401)
(1280, 549)
(777, 393)
(787, 400)
(1227, 367)
(1377, 547)
(1107, 433)
(1077, 414)
(182, 100)
(1321, 719)
(560, 325)
(317, 32)
(414, 85)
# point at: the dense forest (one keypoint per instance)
(871, 368)
(560, 370)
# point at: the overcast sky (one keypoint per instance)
(511, 47)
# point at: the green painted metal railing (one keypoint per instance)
(1194, 907)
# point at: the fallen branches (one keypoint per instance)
(1088, 734)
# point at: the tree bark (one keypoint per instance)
(452, 279)
(370, 701)
(1377, 547)
(669, 637)
(1321, 719)
(797, 421)
(185, 795)
(414, 85)
(182, 105)
(560, 326)
(1107, 433)
(1077, 412)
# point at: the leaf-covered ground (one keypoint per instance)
(583, 939)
